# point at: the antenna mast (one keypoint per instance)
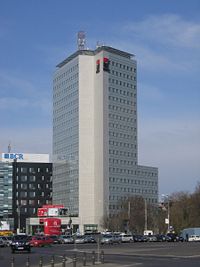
(9, 147)
(81, 40)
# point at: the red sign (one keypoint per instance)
(42, 212)
(52, 226)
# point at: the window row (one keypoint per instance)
(32, 186)
(122, 144)
(122, 162)
(122, 66)
(120, 170)
(125, 84)
(68, 113)
(132, 181)
(66, 92)
(122, 92)
(66, 73)
(122, 135)
(129, 190)
(121, 100)
(67, 102)
(119, 108)
(33, 194)
(123, 75)
(33, 170)
(31, 178)
(146, 173)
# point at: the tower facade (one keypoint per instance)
(95, 154)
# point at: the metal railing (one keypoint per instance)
(80, 259)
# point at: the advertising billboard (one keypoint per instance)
(52, 226)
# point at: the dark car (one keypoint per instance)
(89, 239)
(172, 237)
(20, 243)
(163, 238)
(140, 238)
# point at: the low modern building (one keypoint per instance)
(25, 185)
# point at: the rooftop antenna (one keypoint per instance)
(81, 40)
(9, 147)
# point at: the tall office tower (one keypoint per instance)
(95, 158)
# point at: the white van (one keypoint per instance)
(194, 238)
(126, 237)
(148, 232)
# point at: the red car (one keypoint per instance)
(40, 241)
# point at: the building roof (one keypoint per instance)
(94, 52)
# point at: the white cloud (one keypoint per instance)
(162, 43)
(168, 29)
(172, 145)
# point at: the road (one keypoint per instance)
(185, 254)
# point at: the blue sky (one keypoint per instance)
(164, 35)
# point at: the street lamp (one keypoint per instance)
(19, 221)
(167, 221)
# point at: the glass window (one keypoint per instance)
(31, 186)
(23, 178)
(23, 186)
(31, 170)
(32, 194)
(23, 194)
(32, 178)
(24, 170)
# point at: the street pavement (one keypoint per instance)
(157, 254)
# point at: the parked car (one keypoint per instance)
(107, 239)
(194, 238)
(36, 241)
(126, 238)
(67, 239)
(163, 238)
(117, 238)
(89, 239)
(56, 239)
(152, 238)
(140, 238)
(9, 238)
(40, 241)
(20, 243)
(80, 239)
(5, 241)
(172, 237)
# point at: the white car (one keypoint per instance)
(194, 238)
(126, 238)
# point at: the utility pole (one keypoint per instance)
(145, 214)
(129, 215)
(168, 213)
(167, 221)
(19, 222)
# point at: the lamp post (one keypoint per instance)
(19, 221)
(145, 214)
(167, 221)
